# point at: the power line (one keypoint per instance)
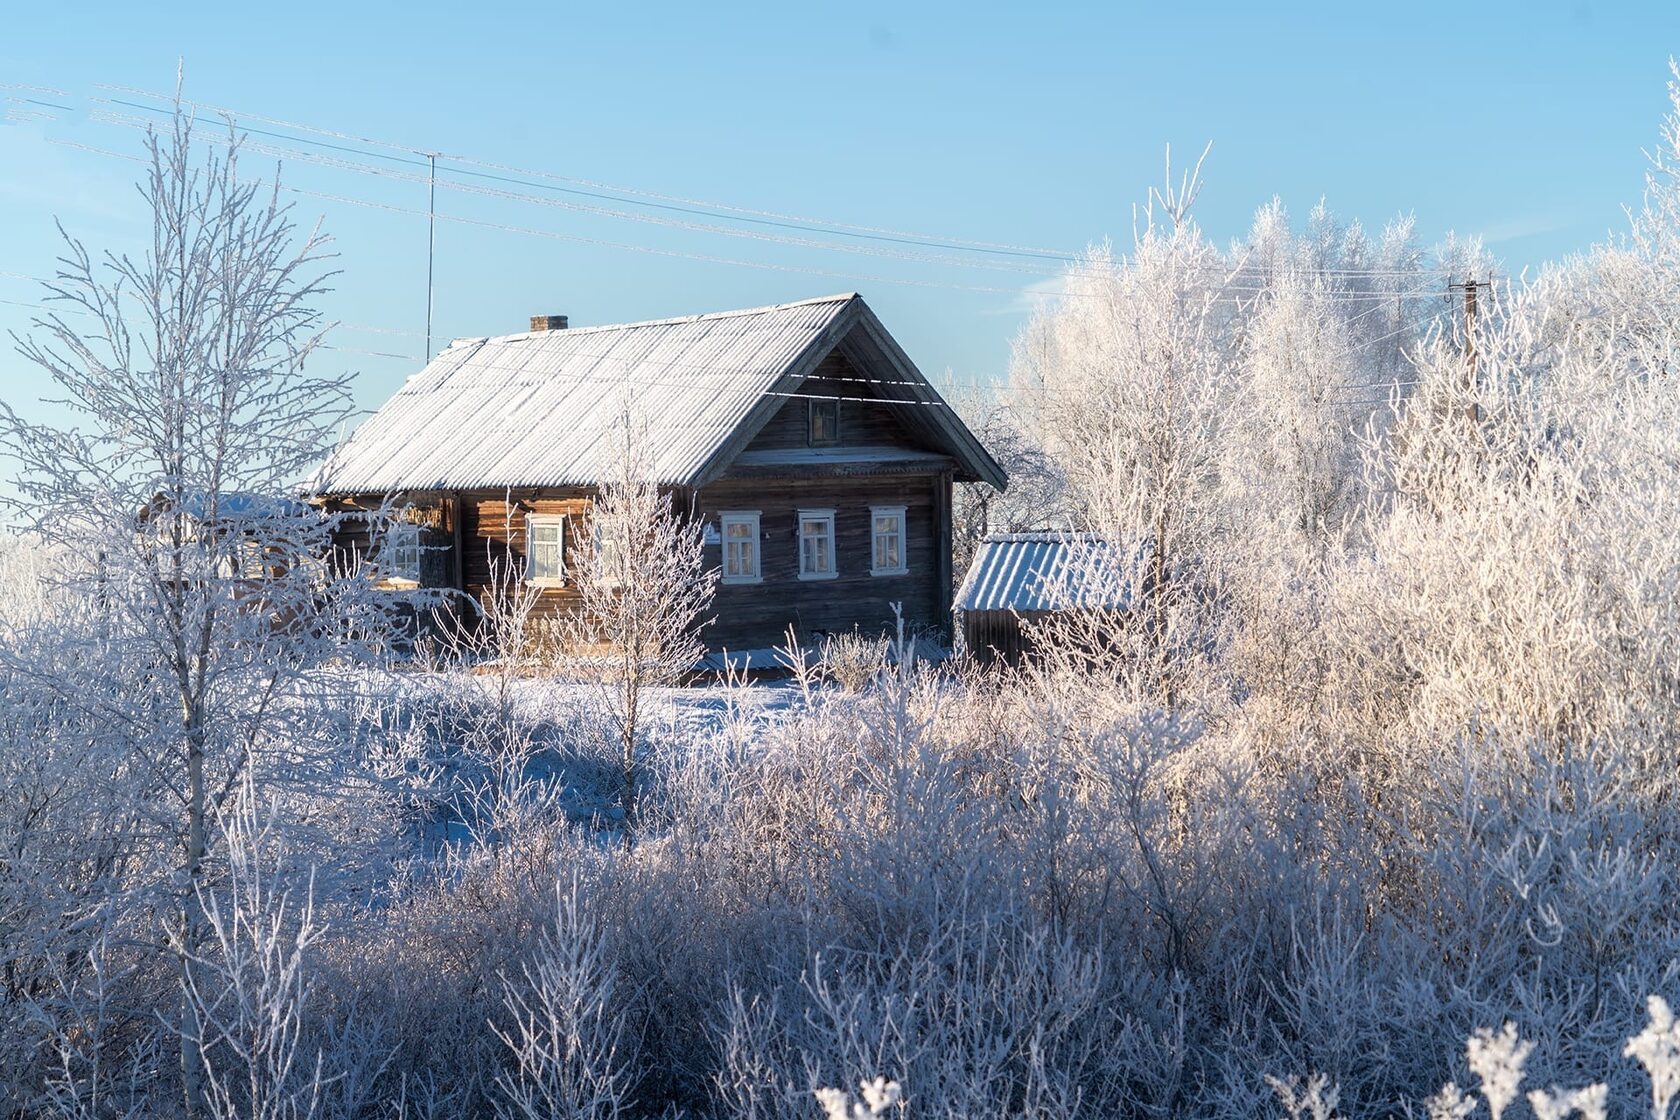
(668, 206)
(419, 159)
(735, 372)
(829, 225)
(1226, 294)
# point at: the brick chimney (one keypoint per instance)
(548, 322)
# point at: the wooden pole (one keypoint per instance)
(1470, 287)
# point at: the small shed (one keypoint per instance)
(1019, 578)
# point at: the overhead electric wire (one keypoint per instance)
(412, 156)
(1226, 292)
(1339, 294)
(669, 206)
(826, 224)
(1218, 296)
(730, 371)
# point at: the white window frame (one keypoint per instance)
(750, 518)
(875, 535)
(402, 544)
(607, 566)
(251, 559)
(826, 516)
(541, 520)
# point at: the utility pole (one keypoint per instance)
(431, 241)
(1471, 288)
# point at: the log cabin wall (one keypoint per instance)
(757, 615)
(745, 616)
(493, 535)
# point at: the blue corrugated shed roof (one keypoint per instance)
(1037, 572)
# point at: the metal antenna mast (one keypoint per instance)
(431, 241)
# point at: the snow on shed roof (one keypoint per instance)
(535, 409)
(1034, 571)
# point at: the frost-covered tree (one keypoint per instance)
(643, 590)
(1129, 376)
(1036, 497)
(196, 408)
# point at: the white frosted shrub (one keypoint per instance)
(1657, 1048)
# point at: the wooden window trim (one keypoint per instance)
(826, 515)
(740, 517)
(403, 536)
(535, 520)
(903, 534)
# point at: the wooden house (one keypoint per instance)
(818, 456)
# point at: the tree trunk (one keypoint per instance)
(192, 924)
(632, 700)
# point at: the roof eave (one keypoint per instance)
(974, 462)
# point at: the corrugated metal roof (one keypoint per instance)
(535, 409)
(1036, 572)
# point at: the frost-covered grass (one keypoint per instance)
(1012, 896)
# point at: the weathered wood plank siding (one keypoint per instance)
(747, 616)
(493, 532)
(491, 529)
(864, 421)
(755, 616)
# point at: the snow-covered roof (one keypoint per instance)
(231, 505)
(1041, 572)
(537, 409)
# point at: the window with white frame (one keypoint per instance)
(739, 530)
(609, 554)
(816, 544)
(402, 555)
(252, 562)
(886, 555)
(545, 549)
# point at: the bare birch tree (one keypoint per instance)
(644, 590)
(1129, 377)
(194, 418)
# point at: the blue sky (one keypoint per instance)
(1035, 125)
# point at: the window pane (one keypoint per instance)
(825, 421)
(740, 546)
(888, 541)
(543, 542)
(816, 546)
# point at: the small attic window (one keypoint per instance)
(825, 422)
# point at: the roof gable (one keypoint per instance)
(535, 409)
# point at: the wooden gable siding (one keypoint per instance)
(864, 421)
(757, 615)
